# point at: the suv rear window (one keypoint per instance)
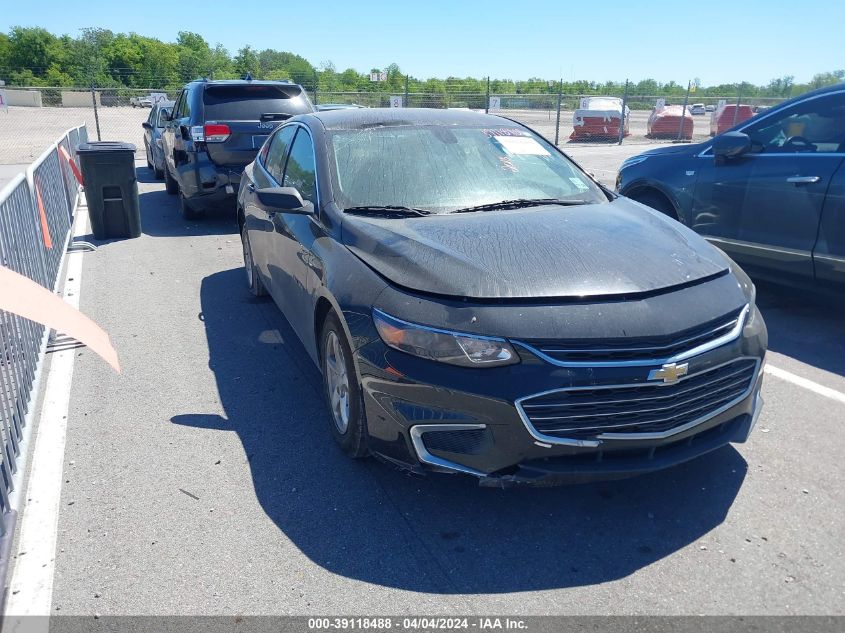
(249, 102)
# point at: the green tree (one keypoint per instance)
(194, 56)
(820, 80)
(5, 52)
(246, 62)
(91, 60)
(780, 86)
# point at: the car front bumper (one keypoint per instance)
(406, 398)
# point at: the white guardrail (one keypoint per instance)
(36, 215)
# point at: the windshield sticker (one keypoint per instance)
(507, 164)
(521, 146)
(580, 185)
(505, 131)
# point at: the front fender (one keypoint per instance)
(349, 286)
(680, 199)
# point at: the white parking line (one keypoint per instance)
(815, 387)
(31, 587)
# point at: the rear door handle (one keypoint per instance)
(803, 180)
(251, 187)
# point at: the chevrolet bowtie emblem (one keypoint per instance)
(670, 372)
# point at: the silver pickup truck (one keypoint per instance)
(141, 102)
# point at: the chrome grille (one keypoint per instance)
(584, 413)
(632, 349)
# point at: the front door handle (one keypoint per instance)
(803, 180)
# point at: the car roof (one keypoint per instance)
(362, 118)
(244, 82)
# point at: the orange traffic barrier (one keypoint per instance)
(72, 164)
(45, 228)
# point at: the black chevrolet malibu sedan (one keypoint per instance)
(478, 304)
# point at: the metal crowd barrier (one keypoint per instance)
(36, 215)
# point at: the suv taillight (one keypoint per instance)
(216, 132)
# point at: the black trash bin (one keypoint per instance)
(111, 189)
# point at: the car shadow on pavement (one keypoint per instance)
(159, 208)
(803, 325)
(145, 174)
(441, 534)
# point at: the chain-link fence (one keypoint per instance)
(37, 115)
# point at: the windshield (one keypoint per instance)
(442, 169)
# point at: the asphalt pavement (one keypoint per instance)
(9, 172)
(203, 479)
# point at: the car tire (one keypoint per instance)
(159, 173)
(170, 184)
(253, 279)
(147, 152)
(188, 211)
(656, 201)
(347, 421)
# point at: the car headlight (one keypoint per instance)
(454, 348)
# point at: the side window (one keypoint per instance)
(301, 171)
(177, 109)
(277, 151)
(186, 104)
(817, 125)
(162, 116)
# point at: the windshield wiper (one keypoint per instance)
(388, 210)
(520, 203)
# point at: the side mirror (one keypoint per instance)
(730, 145)
(146, 125)
(283, 200)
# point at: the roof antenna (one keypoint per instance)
(248, 77)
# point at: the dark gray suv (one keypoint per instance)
(216, 128)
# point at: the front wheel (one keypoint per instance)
(343, 393)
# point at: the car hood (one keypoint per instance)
(680, 148)
(618, 248)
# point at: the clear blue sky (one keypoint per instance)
(719, 41)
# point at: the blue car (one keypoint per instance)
(770, 192)
(153, 127)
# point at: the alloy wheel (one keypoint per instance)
(247, 257)
(337, 382)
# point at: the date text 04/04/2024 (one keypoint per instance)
(416, 623)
